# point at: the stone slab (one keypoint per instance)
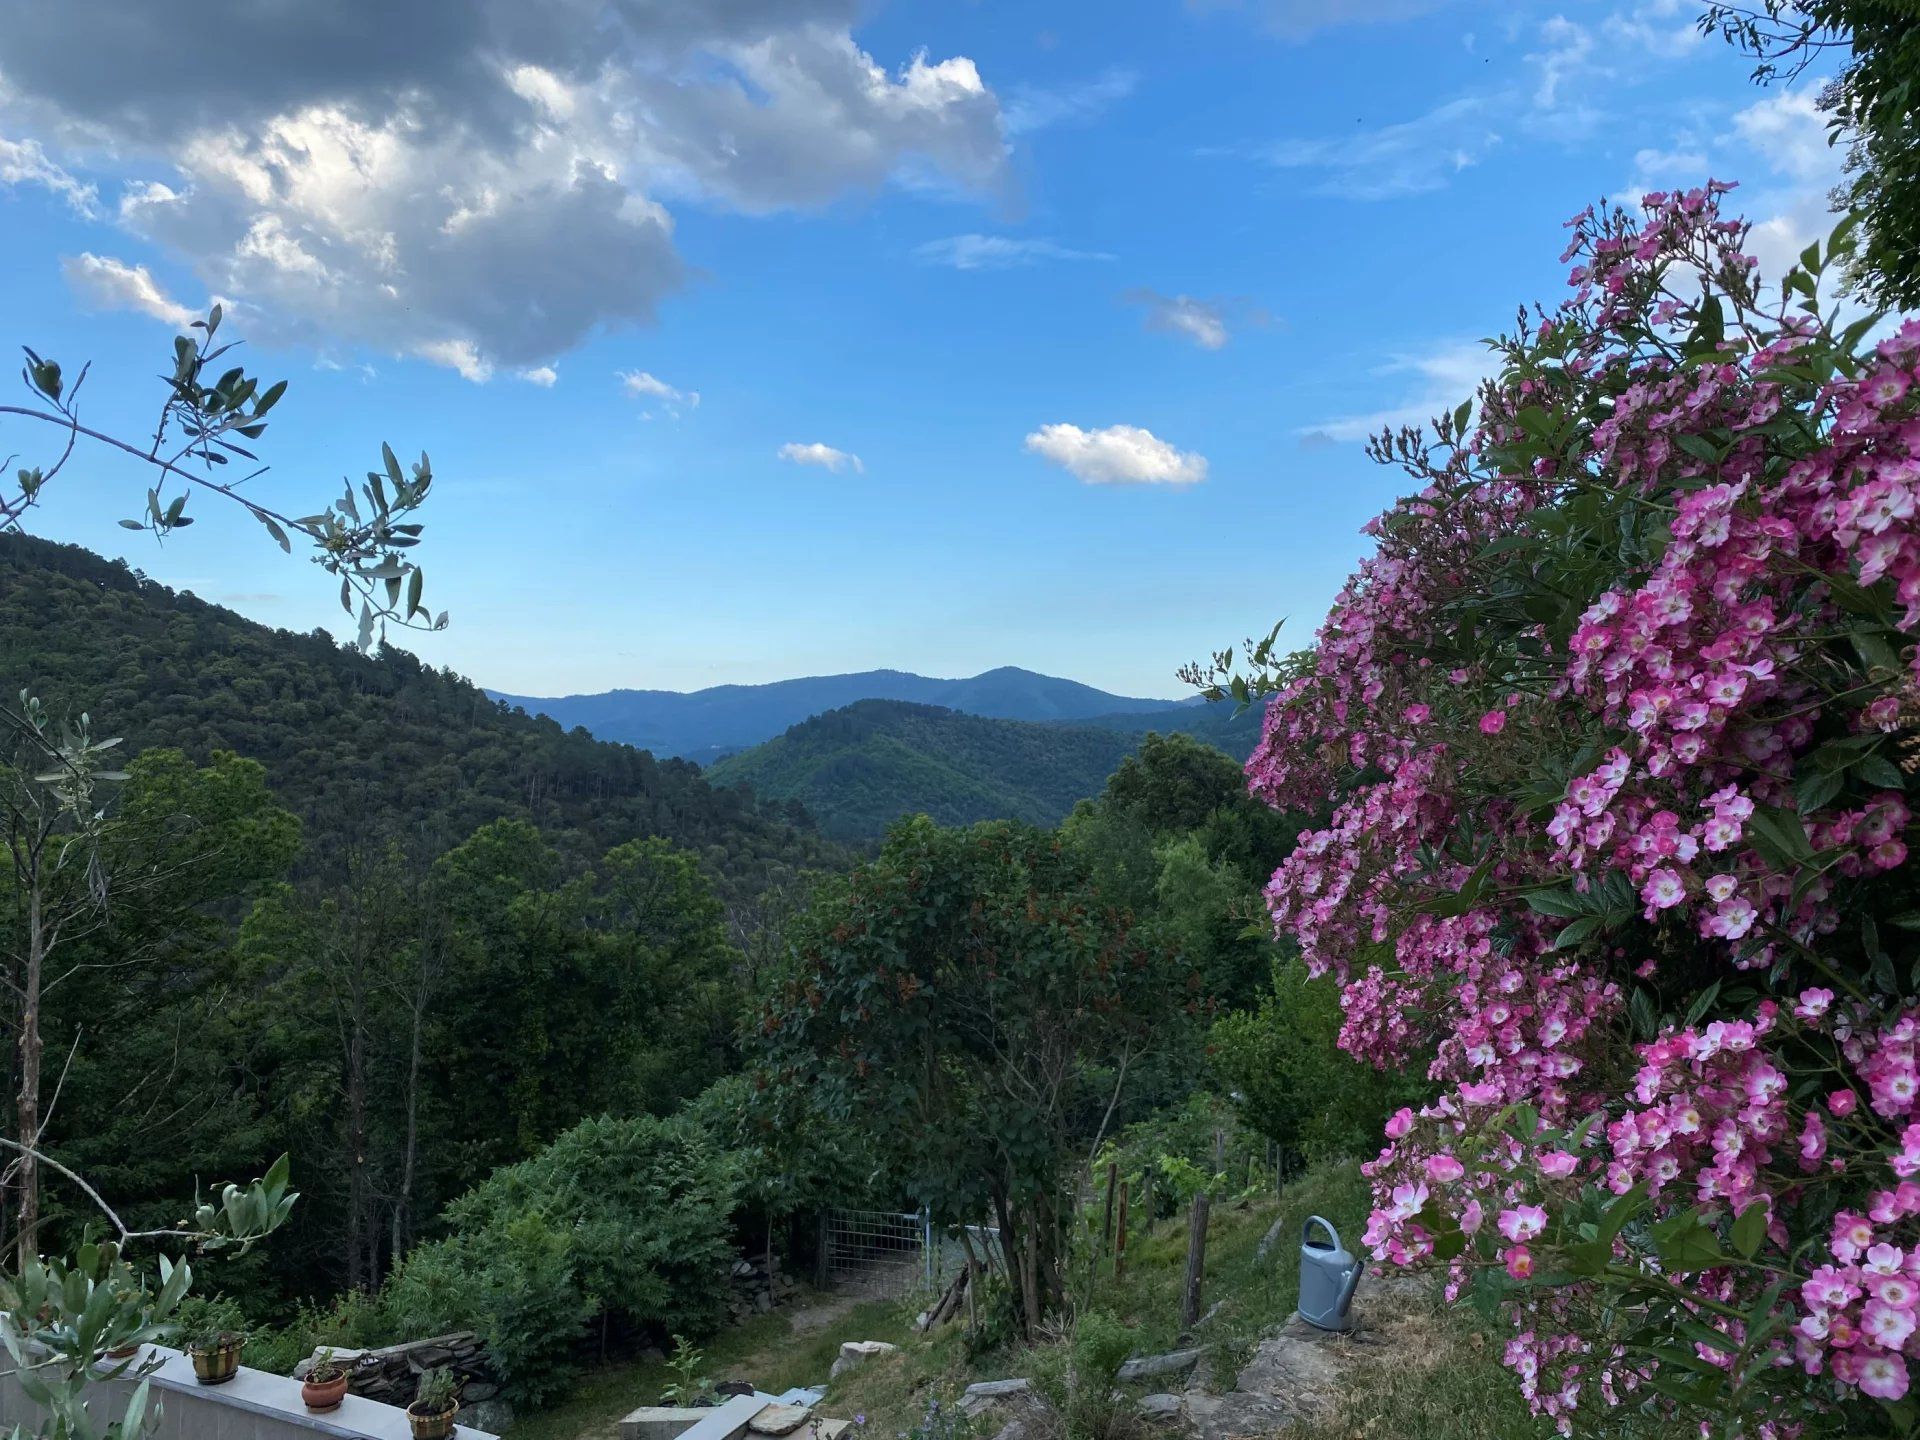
(779, 1419)
(1145, 1367)
(660, 1422)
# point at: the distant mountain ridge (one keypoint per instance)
(707, 724)
(859, 768)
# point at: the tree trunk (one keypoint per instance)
(359, 1249)
(27, 1101)
(410, 1146)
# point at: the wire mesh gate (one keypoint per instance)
(889, 1252)
(878, 1252)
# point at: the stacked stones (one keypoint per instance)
(390, 1375)
(753, 1288)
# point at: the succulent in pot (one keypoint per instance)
(215, 1354)
(435, 1403)
(326, 1383)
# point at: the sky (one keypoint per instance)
(762, 338)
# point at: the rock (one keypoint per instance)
(494, 1417)
(734, 1387)
(1012, 1430)
(763, 1302)
(779, 1419)
(742, 1269)
(858, 1352)
(1144, 1367)
(475, 1392)
(430, 1357)
(985, 1394)
(660, 1422)
(828, 1429)
(1159, 1407)
(1291, 1377)
(1270, 1239)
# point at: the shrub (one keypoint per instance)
(1292, 1083)
(1077, 1379)
(627, 1218)
(1619, 723)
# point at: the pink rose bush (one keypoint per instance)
(1616, 729)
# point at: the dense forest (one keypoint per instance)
(356, 745)
(857, 770)
(524, 1006)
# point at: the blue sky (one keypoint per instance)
(1039, 334)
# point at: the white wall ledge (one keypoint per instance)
(254, 1405)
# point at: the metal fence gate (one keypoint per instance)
(888, 1252)
(878, 1252)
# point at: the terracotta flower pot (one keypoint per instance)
(324, 1394)
(217, 1363)
(123, 1352)
(432, 1425)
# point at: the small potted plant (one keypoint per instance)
(215, 1354)
(326, 1383)
(434, 1404)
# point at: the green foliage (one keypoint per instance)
(689, 1385)
(950, 994)
(436, 1391)
(1873, 107)
(627, 1218)
(1079, 1379)
(1290, 1080)
(360, 747)
(858, 769)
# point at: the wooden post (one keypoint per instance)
(1120, 1236)
(1106, 1218)
(1146, 1204)
(1196, 1261)
(820, 1274)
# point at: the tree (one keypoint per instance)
(950, 996)
(1873, 106)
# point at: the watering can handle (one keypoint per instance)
(1306, 1230)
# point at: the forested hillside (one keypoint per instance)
(354, 745)
(857, 769)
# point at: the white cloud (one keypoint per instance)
(545, 376)
(1117, 455)
(1408, 158)
(1207, 323)
(997, 252)
(109, 284)
(477, 183)
(825, 456)
(1789, 129)
(1299, 19)
(642, 386)
(1034, 108)
(1440, 376)
(460, 355)
(23, 162)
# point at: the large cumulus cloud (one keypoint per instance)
(478, 182)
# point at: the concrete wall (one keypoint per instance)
(254, 1405)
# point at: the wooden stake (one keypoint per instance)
(1120, 1236)
(1106, 1218)
(1196, 1261)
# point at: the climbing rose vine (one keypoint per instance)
(1615, 730)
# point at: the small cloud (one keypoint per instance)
(461, 355)
(1036, 107)
(109, 284)
(23, 162)
(1204, 322)
(672, 400)
(997, 252)
(542, 375)
(1408, 158)
(1299, 19)
(1117, 455)
(1444, 375)
(825, 456)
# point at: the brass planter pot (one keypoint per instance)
(435, 1426)
(218, 1363)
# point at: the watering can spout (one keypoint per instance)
(1328, 1277)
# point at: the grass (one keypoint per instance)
(765, 1350)
(1432, 1372)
